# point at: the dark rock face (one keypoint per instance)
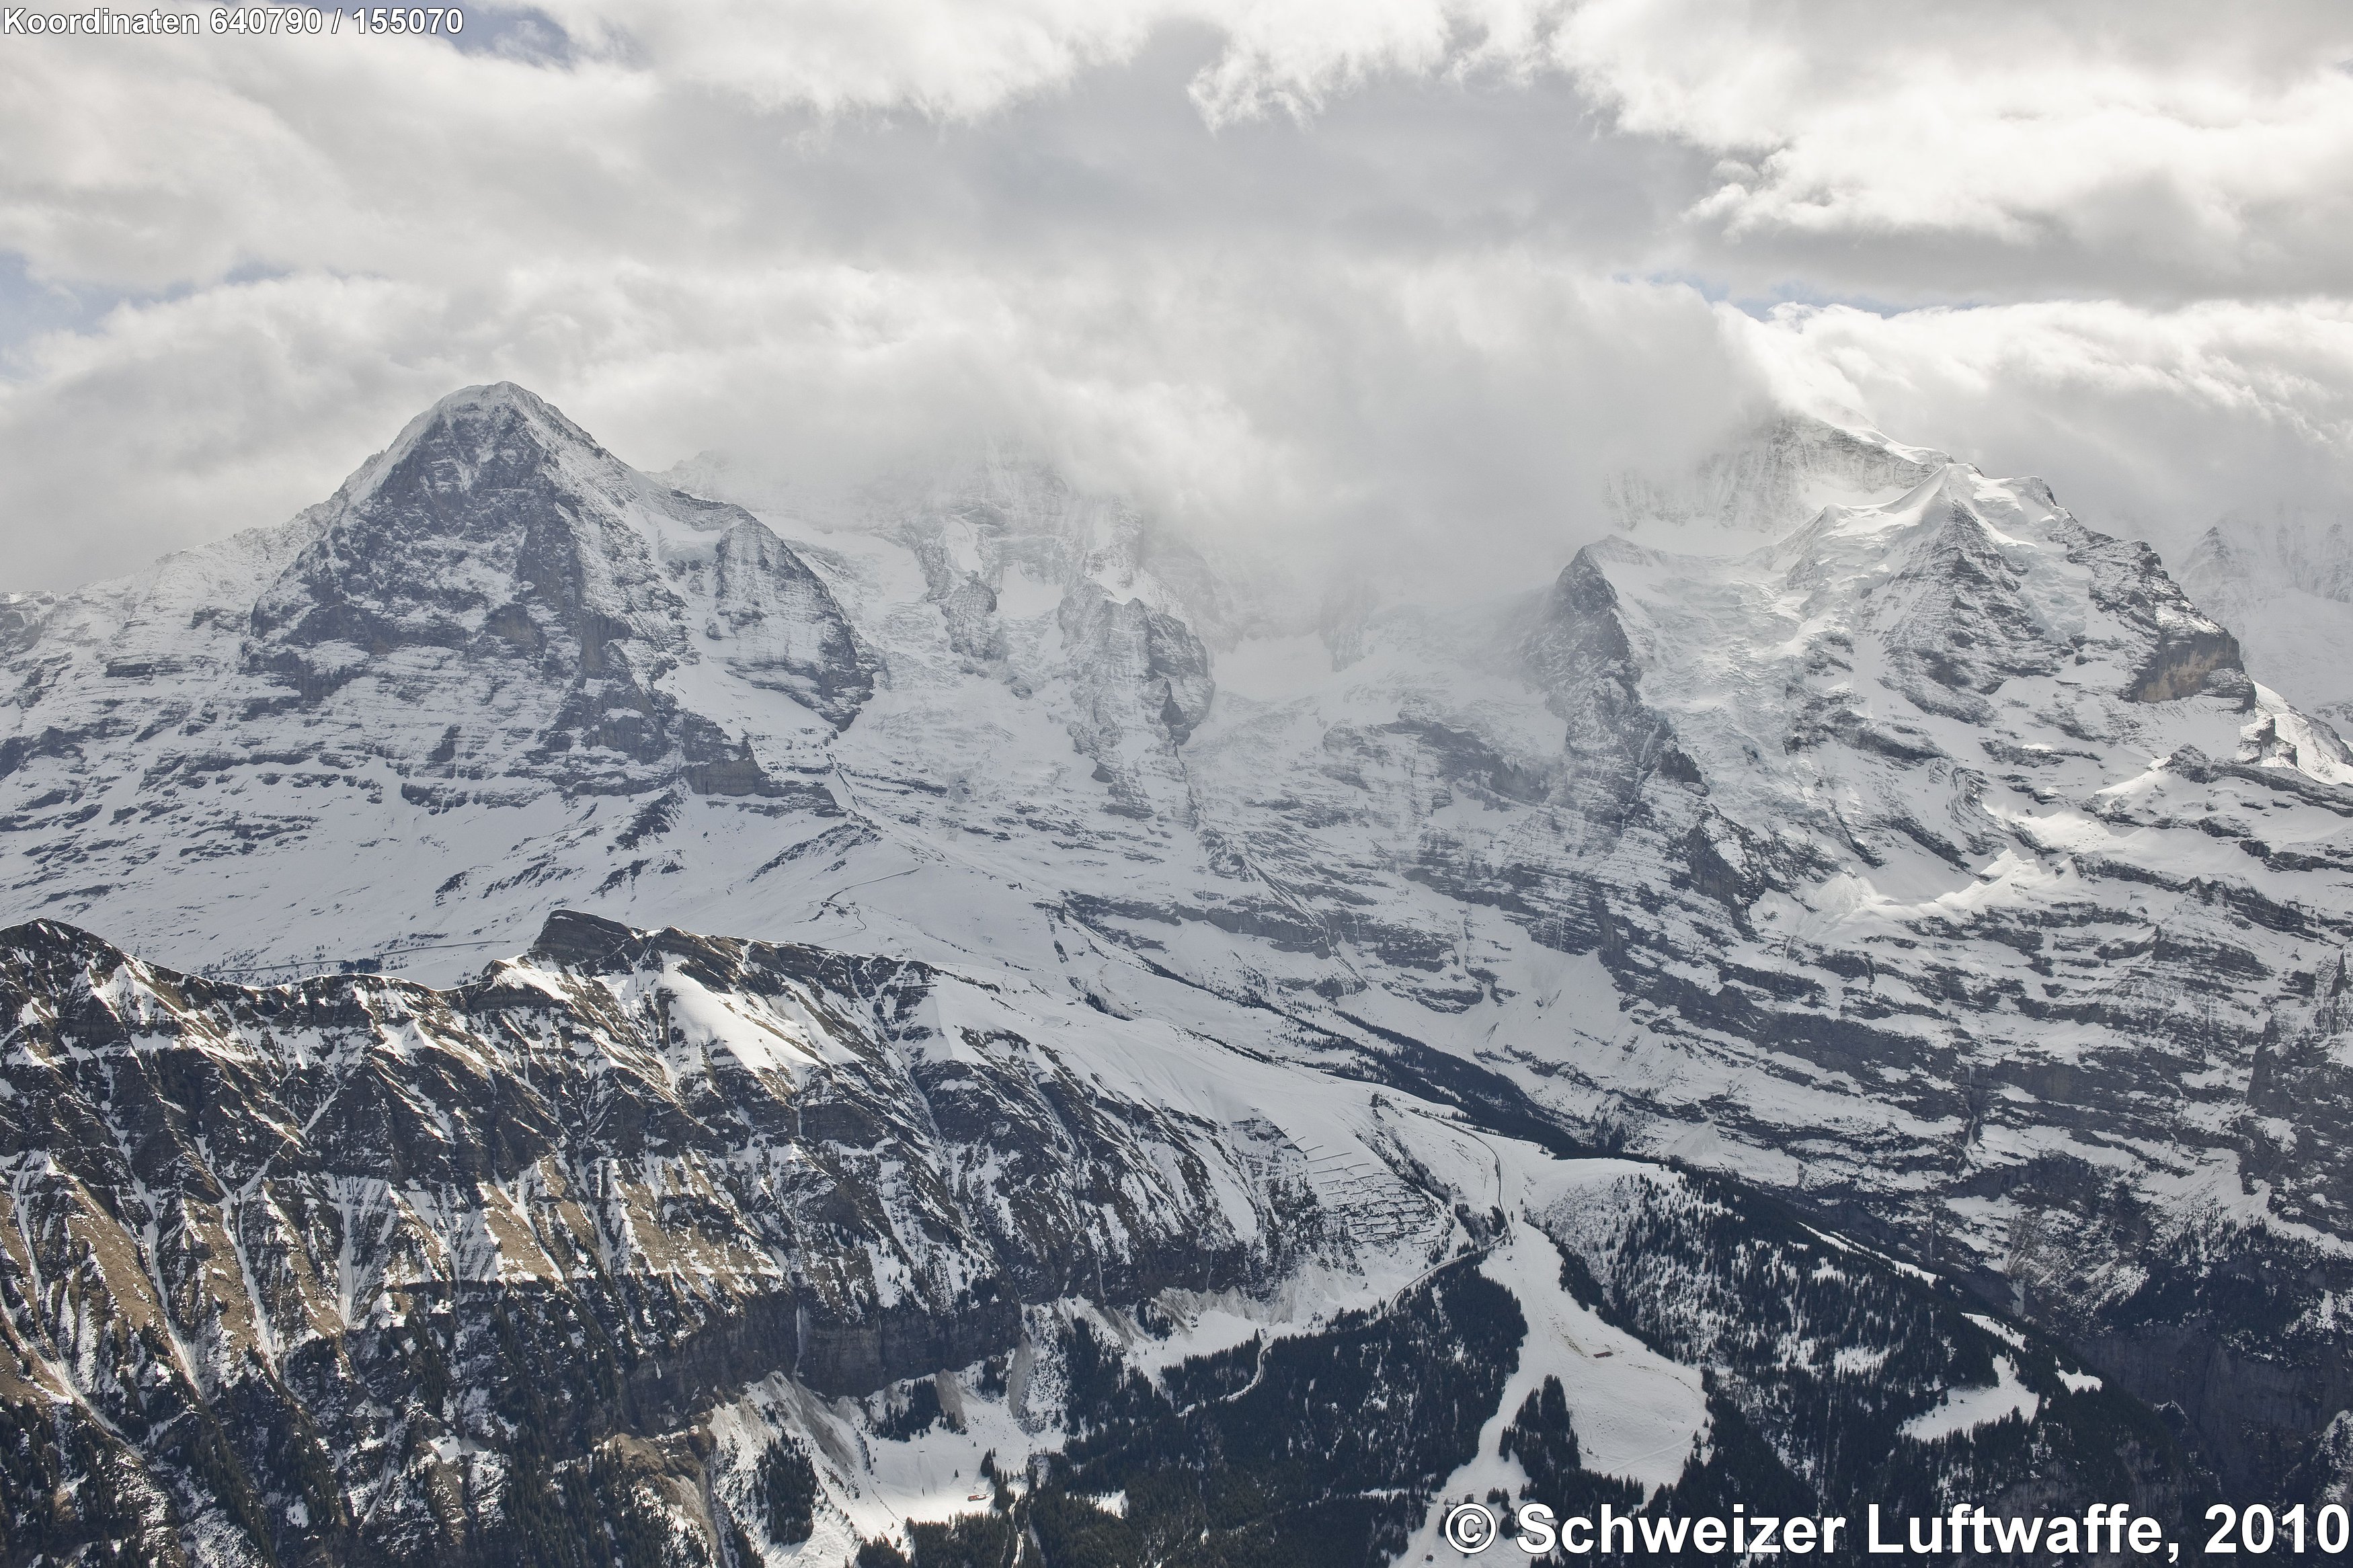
(1578, 656)
(782, 628)
(1970, 626)
(2185, 652)
(1143, 684)
(478, 528)
(2186, 663)
(262, 1242)
(968, 601)
(496, 537)
(1178, 666)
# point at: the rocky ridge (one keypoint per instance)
(658, 1249)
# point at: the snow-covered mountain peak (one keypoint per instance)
(500, 430)
(491, 517)
(1780, 475)
(1893, 837)
(1966, 580)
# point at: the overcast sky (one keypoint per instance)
(1304, 267)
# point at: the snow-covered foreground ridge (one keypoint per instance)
(1852, 822)
(675, 1249)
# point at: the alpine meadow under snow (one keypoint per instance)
(561, 1014)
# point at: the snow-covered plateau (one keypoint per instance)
(553, 1014)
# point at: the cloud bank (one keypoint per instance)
(1385, 271)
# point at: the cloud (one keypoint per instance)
(1979, 149)
(1378, 409)
(943, 57)
(2150, 149)
(1387, 272)
(2152, 423)
(175, 423)
(1910, 150)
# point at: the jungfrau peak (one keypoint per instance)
(872, 990)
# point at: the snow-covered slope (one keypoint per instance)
(1762, 486)
(1925, 858)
